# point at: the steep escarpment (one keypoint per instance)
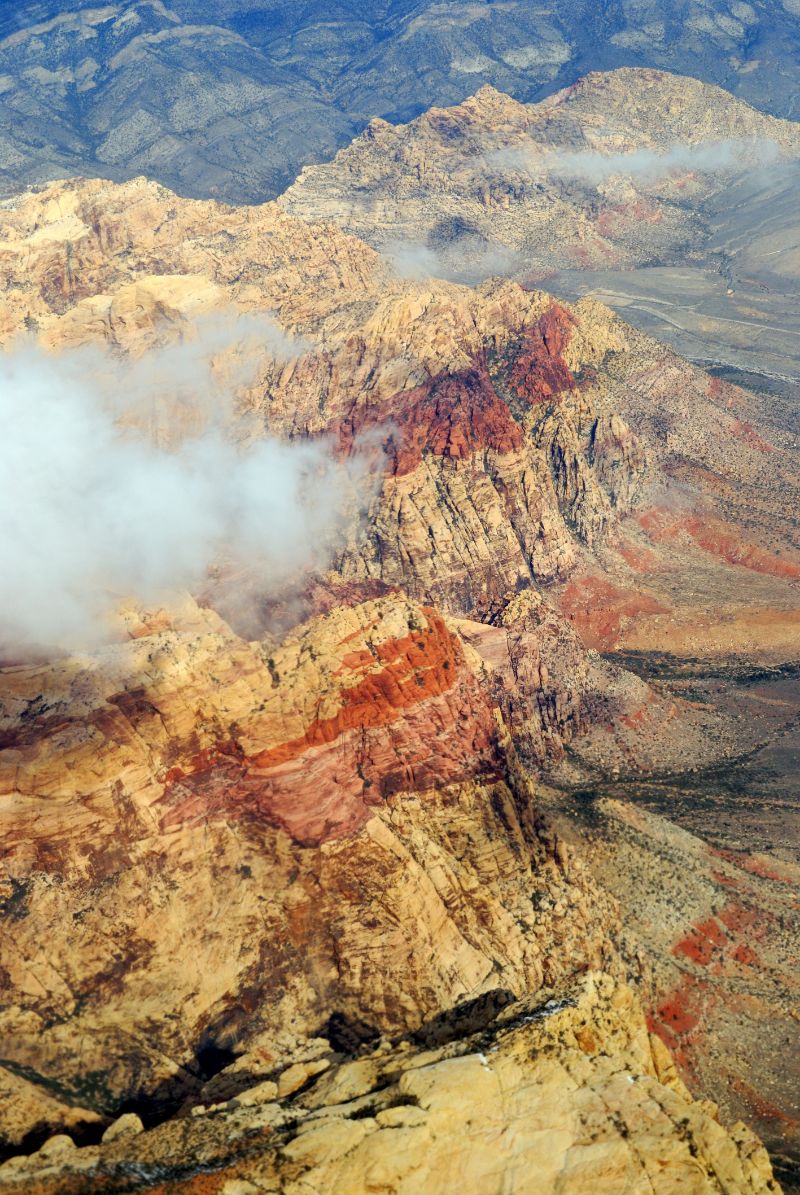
(669, 199)
(242, 840)
(518, 434)
(224, 843)
(489, 479)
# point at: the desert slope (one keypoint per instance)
(611, 172)
(668, 198)
(232, 103)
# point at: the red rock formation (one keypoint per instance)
(219, 838)
(385, 737)
(599, 609)
(539, 372)
(242, 837)
(453, 416)
(717, 538)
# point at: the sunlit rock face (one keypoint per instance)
(224, 842)
(669, 199)
(572, 1087)
(515, 434)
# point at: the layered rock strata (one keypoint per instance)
(223, 843)
(241, 843)
(517, 433)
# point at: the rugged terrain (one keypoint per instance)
(519, 434)
(718, 929)
(610, 172)
(232, 104)
(258, 838)
(529, 1093)
(667, 198)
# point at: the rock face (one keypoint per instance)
(667, 198)
(247, 848)
(718, 930)
(517, 432)
(224, 842)
(570, 1089)
(481, 398)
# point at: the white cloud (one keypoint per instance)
(468, 258)
(93, 511)
(646, 165)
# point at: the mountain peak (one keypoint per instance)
(491, 104)
(645, 94)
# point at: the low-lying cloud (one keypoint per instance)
(96, 509)
(645, 165)
(467, 259)
(188, 382)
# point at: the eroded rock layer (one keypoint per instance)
(233, 839)
(515, 434)
(567, 1092)
(223, 842)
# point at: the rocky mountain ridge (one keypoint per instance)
(318, 824)
(612, 173)
(542, 421)
(207, 762)
(666, 198)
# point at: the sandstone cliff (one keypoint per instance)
(518, 432)
(223, 843)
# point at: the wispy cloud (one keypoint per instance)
(644, 165)
(468, 258)
(93, 510)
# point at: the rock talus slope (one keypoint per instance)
(719, 931)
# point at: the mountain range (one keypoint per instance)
(422, 849)
(233, 104)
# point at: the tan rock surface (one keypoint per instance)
(717, 931)
(560, 1095)
(518, 432)
(220, 844)
(29, 1110)
(212, 843)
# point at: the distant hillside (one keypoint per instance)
(235, 107)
